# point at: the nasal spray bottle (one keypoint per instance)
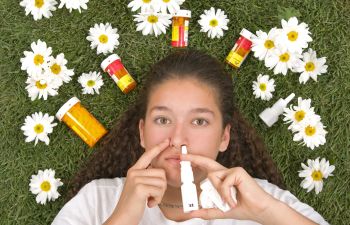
(188, 188)
(270, 115)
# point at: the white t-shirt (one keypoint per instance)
(96, 201)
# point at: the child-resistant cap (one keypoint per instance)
(105, 63)
(183, 13)
(246, 33)
(67, 106)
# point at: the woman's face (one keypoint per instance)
(187, 112)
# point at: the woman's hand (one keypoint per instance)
(142, 186)
(253, 201)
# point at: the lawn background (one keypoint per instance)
(66, 32)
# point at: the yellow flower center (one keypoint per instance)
(213, 22)
(146, 1)
(284, 57)
(317, 175)
(39, 128)
(38, 60)
(310, 66)
(269, 44)
(166, 1)
(55, 68)
(90, 83)
(310, 131)
(39, 3)
(152, 19)
(299, 115)
(262, 86)
(41, 84)
(292, 36)
(103, 38)
(45, 186)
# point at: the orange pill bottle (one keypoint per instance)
(240, 50)
(181, 21)
(114, 67)
(84, 124)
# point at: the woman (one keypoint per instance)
(187, 100)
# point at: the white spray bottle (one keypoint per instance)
(188, 188)
(270, 115)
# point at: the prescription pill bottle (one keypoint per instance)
(240, 50)
(181, 21)
(114, 67)
(84, 124)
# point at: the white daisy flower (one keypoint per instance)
(37, 127)
(311, 132)
(167, 5)
(145, 5)
(314, 173)
(34, 62)
(74, 4)
(41, 86)
(294, 36)
(280, 60)
(91, 82)
(213, 22)
(39, 8)
(263, 87)
(45, 185)
(104, 37)
(299, 113)
(58, 70)
(310, 66)
(152, 23)
(264, 43)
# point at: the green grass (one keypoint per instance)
(64, 32)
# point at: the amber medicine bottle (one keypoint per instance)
(240, 50)
(83, 123)
(114, 67)
(181, 21)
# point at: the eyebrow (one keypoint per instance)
(196, 110)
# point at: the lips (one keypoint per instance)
(173, 159)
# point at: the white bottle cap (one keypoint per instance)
(246, 33)
(105, 63)
(209, 190)
(270, 115)
(182, 13)
(67, 106)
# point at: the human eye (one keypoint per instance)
(200, 122)
(161, 120)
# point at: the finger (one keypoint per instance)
(147, 157)
(228, 189)
(151, 181)
(202, 161)
(208, 214)
(152, 194)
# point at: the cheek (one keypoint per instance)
(154, 135)
(205, 143)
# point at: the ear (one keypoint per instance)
(141, 130)
(225, 139)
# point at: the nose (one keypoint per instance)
(178, 137)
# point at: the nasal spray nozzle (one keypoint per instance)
(210, 198)
(270, 115)
(188, 188)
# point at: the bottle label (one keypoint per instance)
(235, 59)
(125, 81)
(175, 33)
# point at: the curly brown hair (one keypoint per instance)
(121, 148)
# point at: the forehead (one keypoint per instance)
(183, 93)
